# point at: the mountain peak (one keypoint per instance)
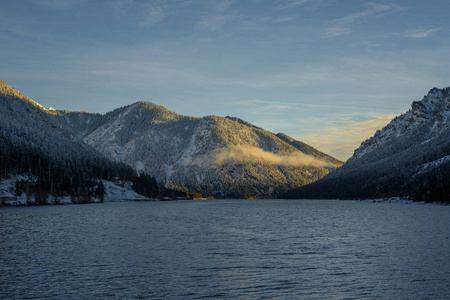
(148, 105)
(407, 158)
(8, 90)
(240, 121)
(155, 113)
(434, 101)
(431, 114)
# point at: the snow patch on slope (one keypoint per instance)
(116, 193)
(8, 196)
(105, 136)
(432, 165)
(437, 162)
(140, 167)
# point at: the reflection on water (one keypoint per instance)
(226, 248)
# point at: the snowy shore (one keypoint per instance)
(396, 200)
(113, 193)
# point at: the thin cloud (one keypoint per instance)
(341, 139)
(337, 31)
(216, 5)
(285, 4)
(344, 25)
(283, 20)
(291, 105)
(421, 33)
(372, 76)
(122, 4)
(213, 15)
(368, 44)
(373, 9)
(58, 4)
(143, 14)
(152, 14)
(214, 22)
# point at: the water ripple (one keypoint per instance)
(225, 249)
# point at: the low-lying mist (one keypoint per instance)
(245, 154)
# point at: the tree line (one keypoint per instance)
(79, 178)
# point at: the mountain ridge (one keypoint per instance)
(184, 152)
(209, 156)
(56, 164)
(406, 158)
(433, 106)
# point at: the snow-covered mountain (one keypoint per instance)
(26, 121)
(54, 162)
(430, 117)
(408, 157)
(211, 156)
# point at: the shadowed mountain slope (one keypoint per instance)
(410, 157)
(53, 161)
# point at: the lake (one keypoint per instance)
(261, 249)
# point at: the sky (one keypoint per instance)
(326, 72)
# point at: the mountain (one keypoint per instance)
(55, 162)
(410, 157)
(70, 153)
(207, 157)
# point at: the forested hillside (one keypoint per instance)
(67, 153)
(54, 161)
(210, 156)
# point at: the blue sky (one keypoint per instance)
(327, 72)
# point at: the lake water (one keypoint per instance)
(226, 249)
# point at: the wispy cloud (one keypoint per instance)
(283, 20)
(216, 5)
(285, 4)
(367, 44)
(214, 22)
(421, 33)
(343, 137)
(214, 14)
(337, 31)
(370, 78)
(58, 4)
(344, 25)
(144, 14)
(371, 10)
(152, 13)
(277, 105)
